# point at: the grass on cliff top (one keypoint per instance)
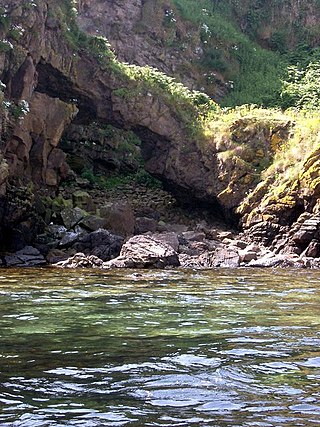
(281, 77)
(254, 73)
(288, 155)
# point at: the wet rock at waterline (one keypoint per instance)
(144, 252)
(100, 243)
(223, 257)
(80, 260)
(26, 257)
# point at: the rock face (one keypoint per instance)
(101, 148)
(40, 131)
(283, 211)
(152, 32)
(212, 172)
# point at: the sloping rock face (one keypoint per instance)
(31, 151)
(150, 32)
(284, 212)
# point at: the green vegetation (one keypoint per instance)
(302, 87)
(16, 111)
(301, 84)
(5, 46)
(66, 13)
(294, 172)
(256, 75)
(290, 159)
(141, 177)
(253, 74)
(4, 20)
(229, 31)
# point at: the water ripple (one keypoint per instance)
(217, 348)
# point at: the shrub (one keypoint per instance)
(301, 88)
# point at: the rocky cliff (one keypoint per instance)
(150, 33)
(57, 82)
(51, 75)
(208, 45)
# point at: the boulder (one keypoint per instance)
(72, 216)
(221, 235)
(92, 222)
(26, 257)
(83, 200)
(80, 260)
(193, 248)
(240, 244)
(119, 217)
(69, 239)
(56, 255)
(177, 228)
(268, 260)
(144, 252)
(247, 254)
(168, 238)
(226, 257)
(313, 249)
(222, 257)
(195, 236)
(100, 243)
(144, 225)
(195, 261)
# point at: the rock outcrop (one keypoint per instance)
(152, 33)
(283, 210)
(80, 260)
(100, 243)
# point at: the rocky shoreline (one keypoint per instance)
(141, 227)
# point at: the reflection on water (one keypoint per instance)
(169, 348)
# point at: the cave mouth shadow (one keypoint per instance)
(54, 83)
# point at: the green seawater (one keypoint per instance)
(159, 348)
